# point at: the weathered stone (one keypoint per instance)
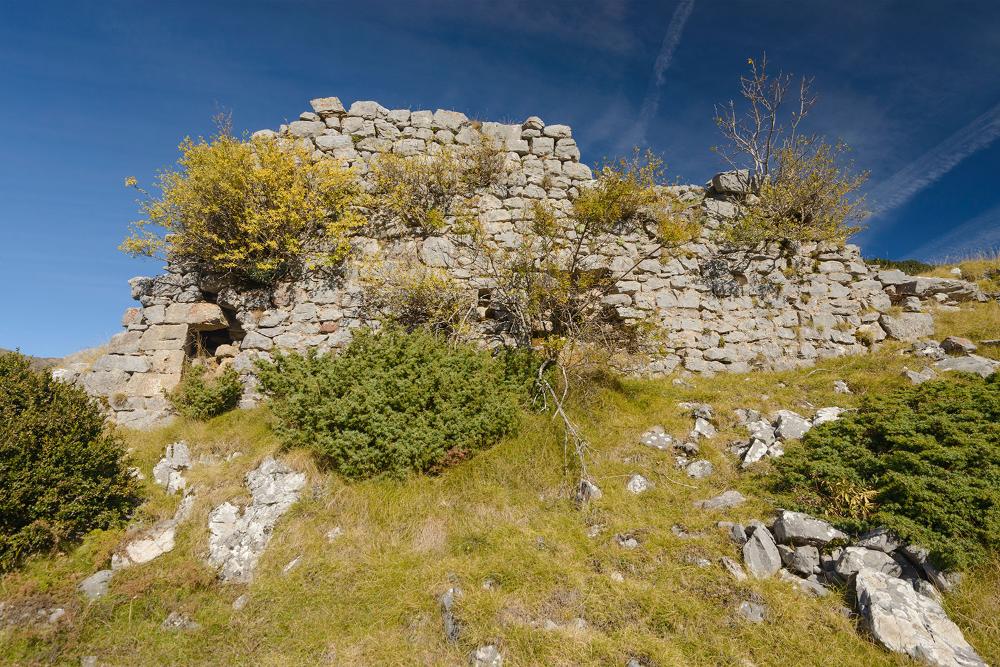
(752, 611)
(790, 425)
(588, 491)
(638, 484)
(908, 326)
(803, 560)
(825, 415)
(733, 568)
(854, 559)
(958, 345)
(703, 428)
(699, 469)
(656, 438)
(178, 622)
(306, 128)
(96, 584)
(799, 529)
(452, 627)
(449, 120)
(732, 182)
(879, 539)
(760, 554)
(972, 363)
(327, 106)
(807, 585)
(724, 500)
(903, 621)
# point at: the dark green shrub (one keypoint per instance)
(395, 402)
(62, 473)
(924, 461)
(910, 266)
(201, 397)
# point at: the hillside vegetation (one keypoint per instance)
(503, 528)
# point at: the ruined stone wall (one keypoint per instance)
(717, 312)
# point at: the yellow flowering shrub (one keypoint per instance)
(423, 191)
(252, 211)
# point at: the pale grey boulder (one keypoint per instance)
(638, 484)
(908, 326)
(854, 559)
(958, 345)
(790, 425)
(825, 415)
(96, 584)
(805, 584)
(735, 182)
(699, 469)
(452, 627)
(178, 622)
(799, 529)
(919, 377)
(803, 561)
(972, 363)
(752, 611)
(167, 471)
(733, 568)
(724, 500)
(904, 621)
(881, 539)
(657, 438)
(760, 554)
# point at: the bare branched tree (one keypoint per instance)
(755, 133)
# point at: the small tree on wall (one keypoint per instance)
(802, 188)
(552, 292)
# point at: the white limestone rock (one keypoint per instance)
(167, 472)
(904, 621)
(237, 539)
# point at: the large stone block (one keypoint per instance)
(125, 343)
(327, 106)
(164, 337)
(198, 316)
(908, 326)
(127, 363)
(152, 384)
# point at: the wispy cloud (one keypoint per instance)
(980, 234)
(935, 163)
(651, 103)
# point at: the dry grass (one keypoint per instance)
(370, 596)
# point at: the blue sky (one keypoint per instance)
(91, 92)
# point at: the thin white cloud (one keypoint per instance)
(651, 103)
(978, 235)
(935, 163)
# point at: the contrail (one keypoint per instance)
(980, 234)
(651, 103)
(935, 163)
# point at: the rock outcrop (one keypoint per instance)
(237, 539)
(904, 621)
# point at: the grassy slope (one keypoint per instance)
(370, 597)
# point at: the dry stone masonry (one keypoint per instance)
(719, 311)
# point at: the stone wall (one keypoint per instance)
(718, 311)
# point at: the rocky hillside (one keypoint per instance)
(248, 554)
